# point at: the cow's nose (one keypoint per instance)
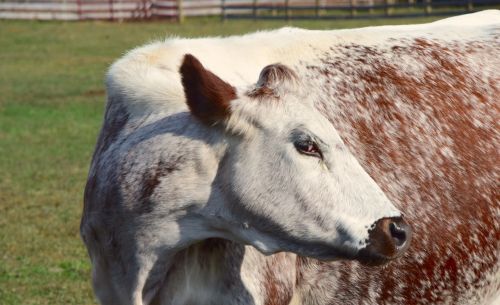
(400, 232)
(388, 239)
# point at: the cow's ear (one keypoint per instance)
(273, 76)
(208, 97)
(274, 80)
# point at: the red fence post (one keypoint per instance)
(79, 9)
(110, 9)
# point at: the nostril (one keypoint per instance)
(398, 233)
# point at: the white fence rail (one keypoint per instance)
(108, 9)
(235, 9)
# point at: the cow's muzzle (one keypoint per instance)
(388, 239)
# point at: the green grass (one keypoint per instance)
(51, 107)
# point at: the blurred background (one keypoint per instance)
(52, 100)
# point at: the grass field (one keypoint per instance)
(51, 106)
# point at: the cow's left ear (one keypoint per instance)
(274, 81)
(208, 96)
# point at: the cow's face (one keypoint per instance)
(288, 180)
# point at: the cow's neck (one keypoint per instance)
(208, 272)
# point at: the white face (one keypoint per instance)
(287, 180)
(294, 185)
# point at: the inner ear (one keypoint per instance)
(208, 97)
(272, 80)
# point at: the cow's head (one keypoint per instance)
(286, 181)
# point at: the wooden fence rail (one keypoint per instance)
(286, 9)
(234, 9)
(108, 9)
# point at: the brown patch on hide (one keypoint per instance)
(152, 177)
(422, 117)
(208, 96)
(388, 287)
(278, 291)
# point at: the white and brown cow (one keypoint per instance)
(209, 186)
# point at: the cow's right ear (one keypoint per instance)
(208, 97)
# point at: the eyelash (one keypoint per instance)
(309, 148)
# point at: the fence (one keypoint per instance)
(234, 9)
(108, 9)
(342, 9)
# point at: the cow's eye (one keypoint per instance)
(308, 147)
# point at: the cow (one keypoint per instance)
(295, 166)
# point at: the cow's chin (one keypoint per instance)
(269, 245)
(362, 256)
(372, 259)
(368, 257)
(327, 253)
(315, 250)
